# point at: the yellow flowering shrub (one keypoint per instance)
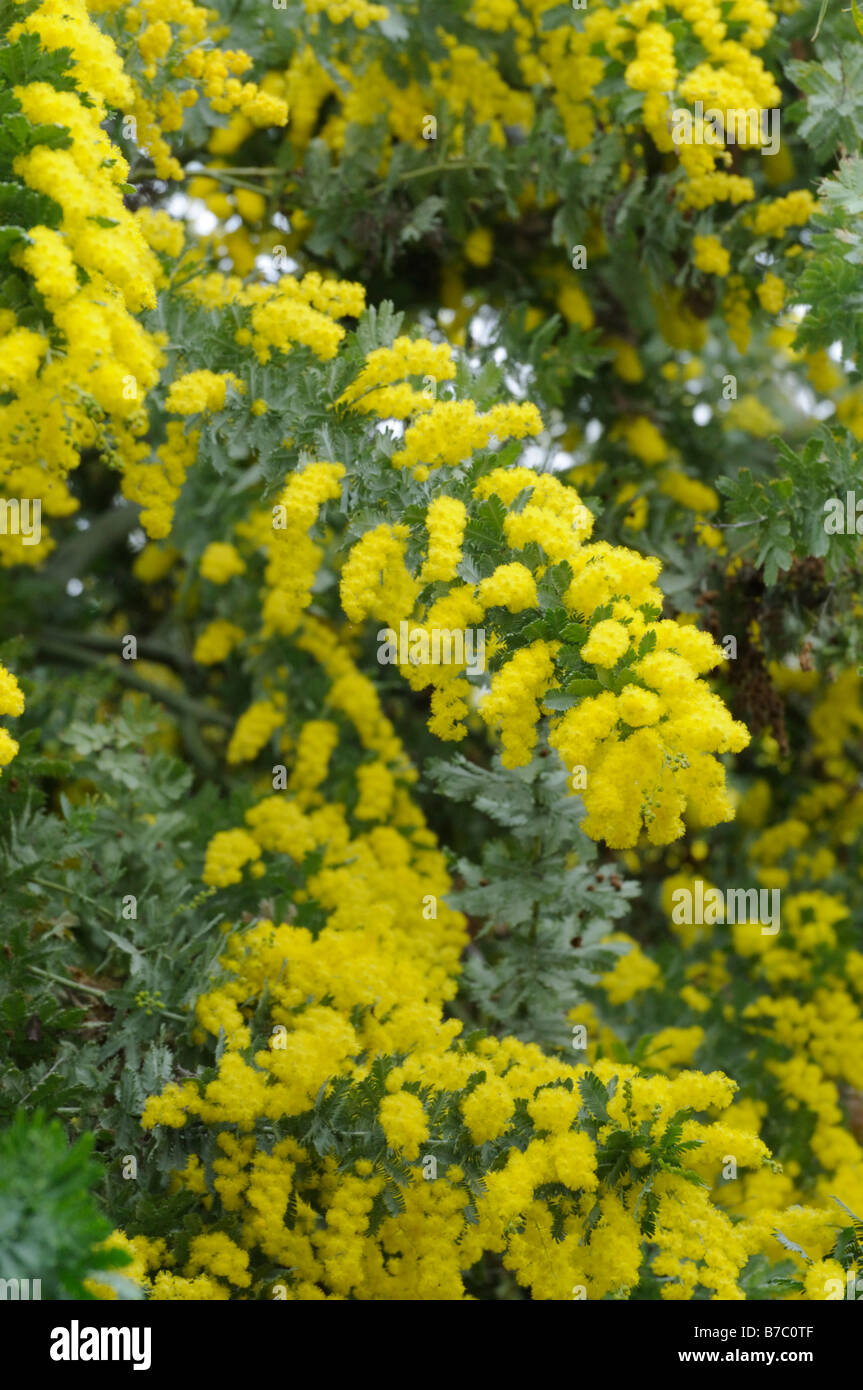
(394, 381)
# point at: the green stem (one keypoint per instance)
(181, 703)
(69, 984)
(151, 651)
(79, 552)
(205, 761)
(449, 166)
(251, 171)
(70, 892)
(100, 993)
(238, 183)
(536, 857)
(42, 1079)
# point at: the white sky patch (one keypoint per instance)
(483, 325)
(394, 428)
(517, 381)
(592, 431)
(805, 398)
(533, 457)
(203, 221)
(561, 461)
(836, 354)
(702, 414)
(267, 265)
(74, 588)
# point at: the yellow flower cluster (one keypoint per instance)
(11, 702)
(311, 760)
(648, 748)
(665, 763)
(632, 973)
(752, 415)
(688, 492)
(836, 719)
(735, 310)
(154, 562)
(382, 387)
(91, 269)
(568, 67)
(360, 13)
(354, 697)
(32, 481)
(290, 314)
(802, 1031)
(654, 68)
(144, 1255)
(227, 852)
(156, 486)
(369, 984)
(511, 704)
(445, 522)
(216, 642)
(174, 47)
(567, 64)
(606, 644)
(253, 729)
(293, 557)
(278, 316)
(94, 269)
(220, 1256)
(626, 362)
(404, 1122)
(376, 787)
(449, 432)
(775, 218)
(710, 255)
(162, 232)
(375, 582)
(771, 293)
(200, 391)
(479, 246)
(510, 586)
(220, 562)
(642, 439)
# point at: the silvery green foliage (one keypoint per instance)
(543, 896)
(51, 1228)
